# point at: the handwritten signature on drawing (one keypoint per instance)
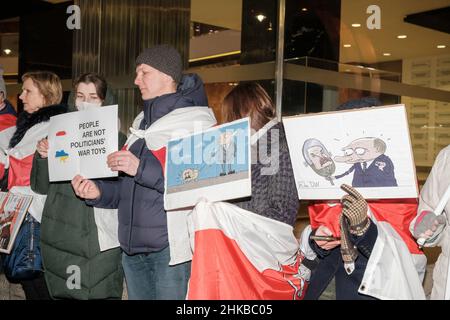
(308, 184)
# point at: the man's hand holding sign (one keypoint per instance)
(85, 188)
(123, 161)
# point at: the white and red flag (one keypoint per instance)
(7, 129)
(396, 267)
(239, 255)
(19, 160)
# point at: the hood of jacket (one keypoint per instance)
(190, 92)
(26, 120)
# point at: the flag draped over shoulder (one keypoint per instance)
(241, 255)
(20, 162)
(7, 129)
(396, 266)
(21, 156)
(178, 123)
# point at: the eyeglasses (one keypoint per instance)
(358, 151)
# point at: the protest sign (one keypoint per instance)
(80, 142)
(369, 149)
(214, 165)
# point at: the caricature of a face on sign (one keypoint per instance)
(318, 158)
(370, 166)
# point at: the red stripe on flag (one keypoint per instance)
(161, 156)
(398, 214)
(7, 121)
(2, 170)
(20, 171)
(221, 271)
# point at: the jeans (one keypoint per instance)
(149, 276)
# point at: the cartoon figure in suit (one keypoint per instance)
(371, 167)
(227, 153)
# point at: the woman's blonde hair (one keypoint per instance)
(248, 99)
(48, 84)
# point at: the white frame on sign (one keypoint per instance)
(74, 135)
(392, 175)
(216, 185)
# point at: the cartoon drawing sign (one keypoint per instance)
(369, 149)
(79, 143)
(214, 165)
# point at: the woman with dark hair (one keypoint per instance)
(274, 193)
(71, 230)
(41, 96)
(254, 233)
(90, 88)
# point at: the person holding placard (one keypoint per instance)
(233, 254)
(344, 254)
(69, 234)
(274, 193)
(172, 101)
(41, 96)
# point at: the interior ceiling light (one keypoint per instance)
(402, 36)
(356, 25)
(260, 17)
(386, 54)
(7, 51)
(347, 45)
(304, 9)
(441, 46)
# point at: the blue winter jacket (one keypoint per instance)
(140, 199)
(8, 109)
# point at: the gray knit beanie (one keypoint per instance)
(2, 83)
(164, 58)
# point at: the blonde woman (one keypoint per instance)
(41, 96)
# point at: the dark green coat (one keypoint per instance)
(69, 237)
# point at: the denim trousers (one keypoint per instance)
(149, 276)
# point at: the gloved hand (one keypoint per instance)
(354, 208)
(428, 226)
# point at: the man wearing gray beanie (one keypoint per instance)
(5, 105)
(139, 193)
